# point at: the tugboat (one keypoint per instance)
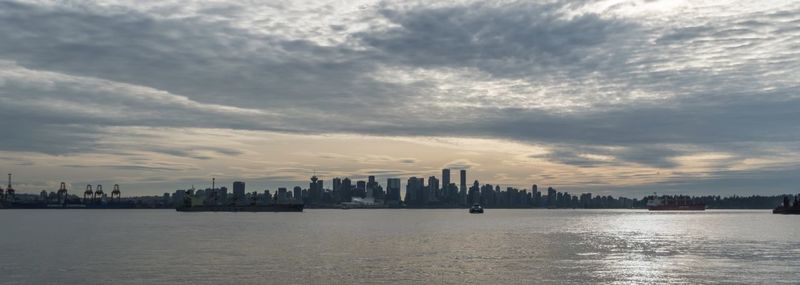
(476, 209)
(673, 203)
(788, 209)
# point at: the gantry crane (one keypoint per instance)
(116, 193)
(9, 190)
(62, 193)
(98, 193)
(89, 193)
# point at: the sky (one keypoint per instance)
(609, 97)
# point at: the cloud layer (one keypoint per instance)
(612, 90)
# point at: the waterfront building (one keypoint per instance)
(298, 193)
(361, 189)
(282, 195)
(414, 188)
(445, 178)
(346, 190)
(551, 197)
(463, 185)
(392, 190)
(432, 193)
(315, 190)
(238, 190)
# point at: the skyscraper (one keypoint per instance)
(392, 190)
(238, 190)
(462, 190)
(372, 187)
(346, 188)
(432, 193)
(414, 190)
(337, 184)
(361, 189)
(315, 189)
(298, 193)
(445, 178)
(551, 197)
(474, 193)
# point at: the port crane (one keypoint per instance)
(9, 190)
(62, 193)
(116, 193)
(89, 193)
(98, 193)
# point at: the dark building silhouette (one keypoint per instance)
(445, 177)
(392, 190)
(414, 188)
(238, 189)
(361, 189)
(346, 190)
(551, 197)
(315, 189)
(463, 185)
(298, 193)
(432, 191)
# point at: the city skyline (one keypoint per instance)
(616, 97)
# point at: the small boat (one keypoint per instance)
(476, 209)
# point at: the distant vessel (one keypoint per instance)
(788, 209)
(250, 208)
(210, 201)
(476, 209)
(673, 203)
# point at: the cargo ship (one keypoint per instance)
(787, 208)
(673, 203)
(249, 208)
(199, 204)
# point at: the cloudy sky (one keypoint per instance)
(617, 97)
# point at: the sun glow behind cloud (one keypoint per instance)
(613, 96)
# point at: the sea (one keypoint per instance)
(399, 246)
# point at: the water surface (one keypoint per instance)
(398, 246)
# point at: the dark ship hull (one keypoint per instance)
(786, 211)
(695, 207)
(252, 208)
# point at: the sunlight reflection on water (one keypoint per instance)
(399, 246)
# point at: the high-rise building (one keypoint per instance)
(432, 192)
(222, 195)
(315, 190)
(392, 190)
(463, 182)
(474, 193)
(282, 194)
(372, 187)
(297, 194)
(551, 197)
(337, 184)
(414, 190)
(445, 177)
(361, 189)
(238, 190)
(462, 190)
(346, 188)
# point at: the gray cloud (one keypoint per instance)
(509, 39)
(635, 87)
